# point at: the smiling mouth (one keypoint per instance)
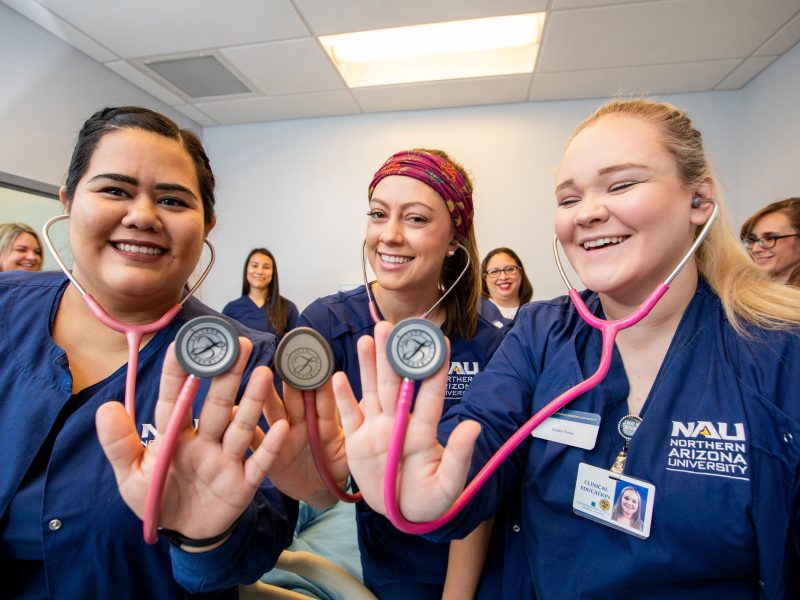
(395, 260)
(135, 249)
(604, 242)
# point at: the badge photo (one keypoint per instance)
(614, 500)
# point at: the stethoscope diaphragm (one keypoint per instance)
(415, 348)
(304, 359)
(207, 346)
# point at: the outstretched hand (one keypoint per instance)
(294, 472)
(210, 483)
(430, 476)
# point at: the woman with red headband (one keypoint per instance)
(420, 243)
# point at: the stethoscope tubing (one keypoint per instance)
(609, 330)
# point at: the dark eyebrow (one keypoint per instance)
(169, 187)
(605, 171)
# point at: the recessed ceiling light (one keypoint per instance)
(437, 51)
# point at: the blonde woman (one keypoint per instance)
(712, 374)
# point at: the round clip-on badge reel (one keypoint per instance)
(205, 346)
(304, 360)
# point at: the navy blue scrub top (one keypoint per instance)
(720, 440)
(246, 312)
(395, 564)
(65, 532)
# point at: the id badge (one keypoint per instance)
(570, 427)
(614, 500)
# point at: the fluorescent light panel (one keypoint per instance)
(437, 51)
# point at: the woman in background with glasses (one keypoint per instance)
(505, 287)
(772, 238)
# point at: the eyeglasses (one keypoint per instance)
(495, 273)
(766, 242)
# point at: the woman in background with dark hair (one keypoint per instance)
(505, 287)
(261, 306)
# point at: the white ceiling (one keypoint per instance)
(589, 48)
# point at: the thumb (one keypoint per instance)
(119, 439)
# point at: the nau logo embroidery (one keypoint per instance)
(709, 448)
(459, 377)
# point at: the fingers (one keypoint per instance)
(216, 412)
(172, 378)
(388, 380)
(240, 432)
(293, 404)
(349, 409)
(274, 409)
(457, 457)
(326, 404)
(256, 468)
(119, 439)
(370, 403)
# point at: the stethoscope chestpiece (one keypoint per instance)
(304, 359)
(207, 346)
(415, 348)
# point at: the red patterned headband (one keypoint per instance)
(437, 173)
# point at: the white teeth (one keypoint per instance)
(602, 242)
(394, 259)
(139, 249)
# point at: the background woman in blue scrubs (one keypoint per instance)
(140, 196)
(504, 288)
(261, 306)
(712, 372)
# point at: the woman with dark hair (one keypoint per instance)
(772, 238)
(20, 248)
(420, 243)
(261, 306)
(505, 287)
(139, 195)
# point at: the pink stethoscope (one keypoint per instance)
(315, 345)
(134, 335)
(609, 330)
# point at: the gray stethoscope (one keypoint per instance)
(205, 346)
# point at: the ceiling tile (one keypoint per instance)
(632, 81)
(342, 16)
(745, 72)
(572, 4)
(298, 106)
(152, 27)
(149, 85)
(784, 39)
(659, 32)
(60, 28)
(291, 67)
(441, 94)
(196, 115)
